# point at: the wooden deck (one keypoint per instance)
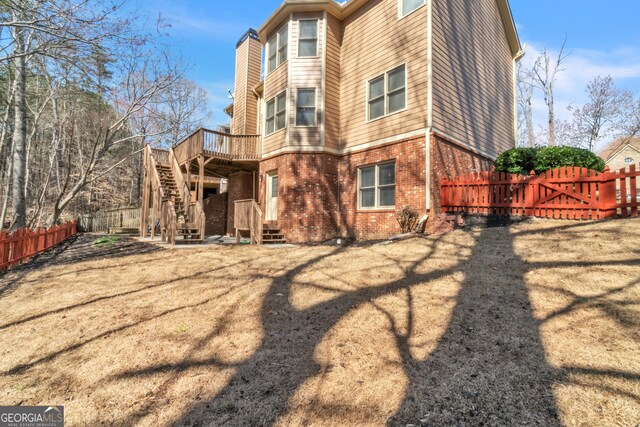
(219, 154)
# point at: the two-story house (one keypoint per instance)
(361, 108)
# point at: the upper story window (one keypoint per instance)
(377, 186)
(408, 6)
(276, 113)
(306, 107)
(628, 160)
(387, 93)
(278, 49)
(308, 38)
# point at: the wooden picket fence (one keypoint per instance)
(102, 221)
(24, 243)
(564, 193)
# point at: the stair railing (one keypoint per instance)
(183, 189)
(164, 207)
(248, 217)
(195, 210)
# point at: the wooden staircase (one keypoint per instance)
(271, 234)
(189, 231)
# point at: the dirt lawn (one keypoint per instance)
(533, 324)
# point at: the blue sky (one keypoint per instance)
(601, 38)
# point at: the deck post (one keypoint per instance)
(153, 215)
(145, 197)
(201, 180)
(189, 179)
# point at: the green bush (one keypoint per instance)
(519, 161)
(523, 160)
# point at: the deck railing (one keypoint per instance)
(218, 144)
(248, 217)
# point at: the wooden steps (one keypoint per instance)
(272, 235)
(186, 232)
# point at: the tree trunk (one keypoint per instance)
(552, 120)
(18, 199)
(6, 191)
(528, 116)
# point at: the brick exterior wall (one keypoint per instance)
(307, 195)
(215, 211)
(318, 192)
(409, 156)
(450, 160)
(239, 187)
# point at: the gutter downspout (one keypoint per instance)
(429, 128)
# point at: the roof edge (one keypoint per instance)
(510, 28)
(342, 11)
(291, 6)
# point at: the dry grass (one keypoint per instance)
(534, 324)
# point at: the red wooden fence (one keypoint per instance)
(564, 193)
(25, 243)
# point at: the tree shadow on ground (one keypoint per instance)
(76, 249)
(488, 367)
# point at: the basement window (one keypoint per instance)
(377, 186)
(308, 39)
(276, 118)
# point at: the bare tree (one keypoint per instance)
(69, 31)
(144, 77)
(184, 109)
(526, 87)
(91, 93)
(605, 115)
(545, 71)
(631, 126)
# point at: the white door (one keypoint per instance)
(272, 197)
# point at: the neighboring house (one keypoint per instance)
(622, 152)
(364, 107)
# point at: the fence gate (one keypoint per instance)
(563, 193)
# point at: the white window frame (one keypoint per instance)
(300, 38)
(275, 40)
(377, 186)
(315, 107)
(386, 93)
(400, 15)
(628, 161)
(276, 113)
(273, 46)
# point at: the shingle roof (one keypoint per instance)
(616, 145)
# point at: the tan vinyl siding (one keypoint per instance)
(275, 82)
(240, 89)
(253, 78)
(472, 75)
(375, 41)
(305, 73)
(332, 89)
